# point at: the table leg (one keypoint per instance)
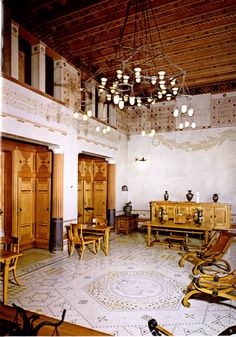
(148, 235)
(106, 243)
(5, 281)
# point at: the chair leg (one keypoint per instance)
(15, 277)
(185, 301)
(72, 245)
(94, 247)
(82, 248)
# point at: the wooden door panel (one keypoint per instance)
(25, 210)
(100, 196)
(43, 208)
(100, 170)
(88, 201)
(80, 201)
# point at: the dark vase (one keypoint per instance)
(166, 196)
(189, 195)
(127, 209)
(215, 197)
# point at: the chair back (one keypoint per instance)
(10, 244)
(76, 232)
(222, 243)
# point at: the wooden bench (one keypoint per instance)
(181, 240)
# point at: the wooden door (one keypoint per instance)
(2, 194)
(100, 200)
(42, 199)
(25, 212)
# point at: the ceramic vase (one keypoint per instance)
(166, 196)
(189, 195)
(215, 197)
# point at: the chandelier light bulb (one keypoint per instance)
(121, 104)
(175, 90)
(108, 128)
(184, 108)
(137, 71)
(143, 133)
(193, 125)
(168, 97)
(85, 118)
(159, 95)
(152, 133)
(131, 100)
(103, 81)
(153, 102)
(149, 99)
(116, 99)
(76, 115)
(104, 130)
(172, 81)
(126, 98)
(109, 97)
(101, 89)
(119, 74)
(186, 124)
(138, 79)
(139, 105)
(112, 89)
(161, 74)
(190, 112)
(89, 113)
(181, 125)
(98, 128)
(163, 91)
(153, 80)
(176, 112)
(125, 79)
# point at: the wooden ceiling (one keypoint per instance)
(197, 35)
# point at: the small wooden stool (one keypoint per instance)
(182, 240)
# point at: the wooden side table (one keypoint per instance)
(126, 223)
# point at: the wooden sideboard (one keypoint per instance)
(216, 216)
(126, 223)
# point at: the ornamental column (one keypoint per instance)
(56, 227)
(38, 62)
(111, 191)
(14, 50)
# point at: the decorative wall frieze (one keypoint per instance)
(205, 144)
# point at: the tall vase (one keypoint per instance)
(215, 197)
(166, 196)
(189, 195)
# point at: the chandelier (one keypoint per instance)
(144, 74)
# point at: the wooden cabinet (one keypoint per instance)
(126, 223)
(215, 215)
(92, 189)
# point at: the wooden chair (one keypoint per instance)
(98, 237)
(76, 237)
(218, 285)
(210, 254)
(11, 244)
(158, 330)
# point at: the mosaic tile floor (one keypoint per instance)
(119, 293)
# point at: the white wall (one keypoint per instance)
(201, 160)
(31, 117)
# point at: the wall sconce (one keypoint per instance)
(140, 159)
(124, 188)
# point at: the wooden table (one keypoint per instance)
(8, 314)
(170, 226)
(99, 229)
(6, 258)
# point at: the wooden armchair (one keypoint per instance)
(158, 330)
(11, 244)
(76, 237)
(219, 285)
(210, 254)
